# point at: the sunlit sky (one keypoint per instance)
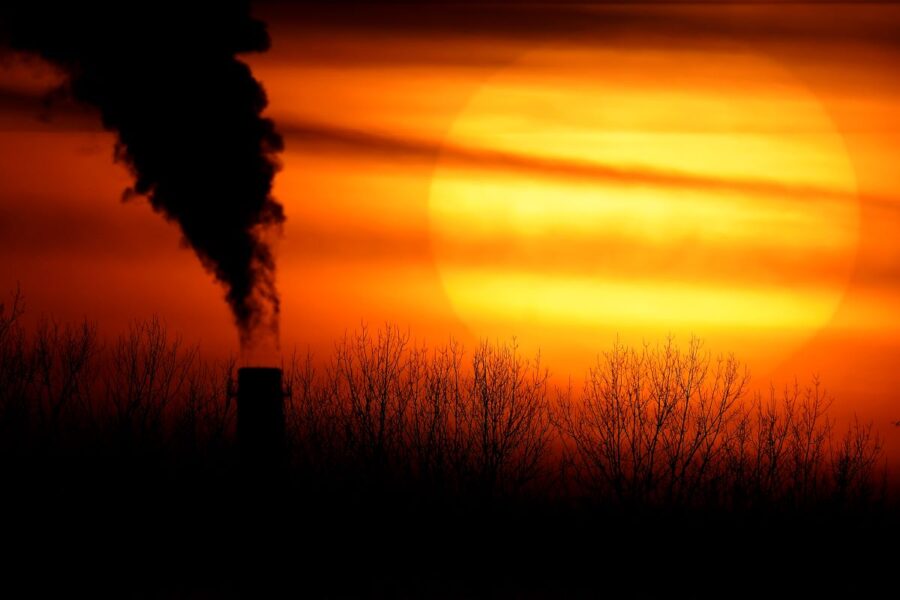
(564, 174)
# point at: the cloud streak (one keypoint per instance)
(348, 141)
(603, 256)
(820, 24)
(321, 138)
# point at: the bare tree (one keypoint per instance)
(206, 412)
(810, 434)
(439, 443)
(147, 371)
(16, 367)
(653, 425)
(313, 416)
(853, 462)
(63, 358)
(508, 418)
(371, 384)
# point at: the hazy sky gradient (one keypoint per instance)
(396, 118)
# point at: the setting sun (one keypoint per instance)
(586, 237)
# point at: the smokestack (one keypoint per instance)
(260, 425)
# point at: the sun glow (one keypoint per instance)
(593, 254)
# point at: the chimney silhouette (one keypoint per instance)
(260, 423)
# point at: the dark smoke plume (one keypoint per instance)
(165, 77)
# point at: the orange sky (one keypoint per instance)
(565, 175)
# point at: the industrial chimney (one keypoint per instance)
(260, 418)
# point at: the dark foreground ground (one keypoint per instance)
(413, 473)
(156, 530)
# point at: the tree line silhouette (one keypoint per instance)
(436, 440)
(660, 424)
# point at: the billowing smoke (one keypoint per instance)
(165, 78)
